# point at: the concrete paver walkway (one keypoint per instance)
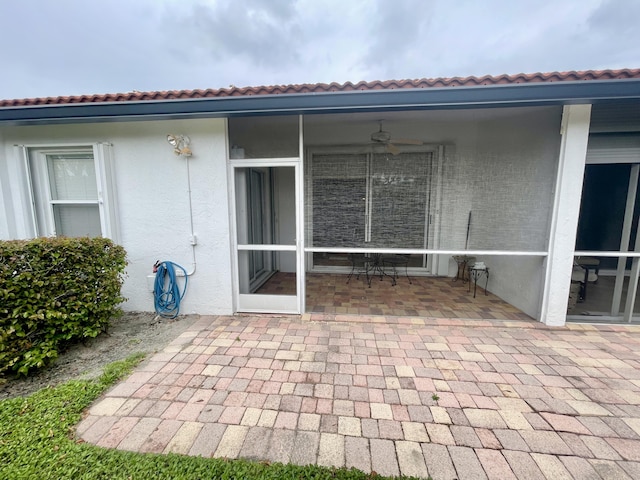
(446, 398)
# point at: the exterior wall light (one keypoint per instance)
(180, 144)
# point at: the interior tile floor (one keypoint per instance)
(424, 297)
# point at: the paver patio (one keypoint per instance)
(454, 399)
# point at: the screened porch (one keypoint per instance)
(431, 186)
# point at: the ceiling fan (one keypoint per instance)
(383, 137)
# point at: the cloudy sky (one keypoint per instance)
(66, 47)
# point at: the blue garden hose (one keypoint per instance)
(166, 291)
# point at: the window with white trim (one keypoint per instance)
(72, 193)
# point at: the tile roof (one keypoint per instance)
(521, 78)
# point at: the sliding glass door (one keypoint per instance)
(606, 266)
(369, 200)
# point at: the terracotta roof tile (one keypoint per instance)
(135, 96)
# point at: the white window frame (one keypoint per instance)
(37, 173)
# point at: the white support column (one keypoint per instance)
(566, 209)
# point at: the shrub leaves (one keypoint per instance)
(54, 291)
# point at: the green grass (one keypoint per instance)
(36, 442)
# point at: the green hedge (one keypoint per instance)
(54, 291)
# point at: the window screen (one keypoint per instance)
(496, 201)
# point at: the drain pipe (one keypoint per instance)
(193, 240)
(180, 144)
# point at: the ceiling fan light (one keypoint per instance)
(381, 136)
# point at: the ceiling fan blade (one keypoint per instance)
(392, 149)
(407, 141)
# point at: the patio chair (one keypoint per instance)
(395, 261)
(359, 265)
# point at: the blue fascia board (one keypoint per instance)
(531, 94)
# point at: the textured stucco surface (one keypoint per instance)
(152, 201)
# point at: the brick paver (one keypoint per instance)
(117, 432)
(184, 438)
(411, 459)
(231, 441)
(383, 457)
(551, 466)
(494, 464)
(306, 448)
(453, 399)
(467, 464)
(523, 465)
(357, 453)
(331, 451)
(281, 445)
(138, 434)
(162, 435)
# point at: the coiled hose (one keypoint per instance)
(166, 291)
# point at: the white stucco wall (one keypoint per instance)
(152, 201)
(517, 280)
(515, 186)
(499, 163)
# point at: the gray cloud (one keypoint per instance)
(510, 37)
(78, 46)
(614, 33)
(73, 47)
(399, 31)
(616, 17)
(262, 33)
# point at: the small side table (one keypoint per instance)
(463, 261)
(475, 274)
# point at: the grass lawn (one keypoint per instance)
(36, 442)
